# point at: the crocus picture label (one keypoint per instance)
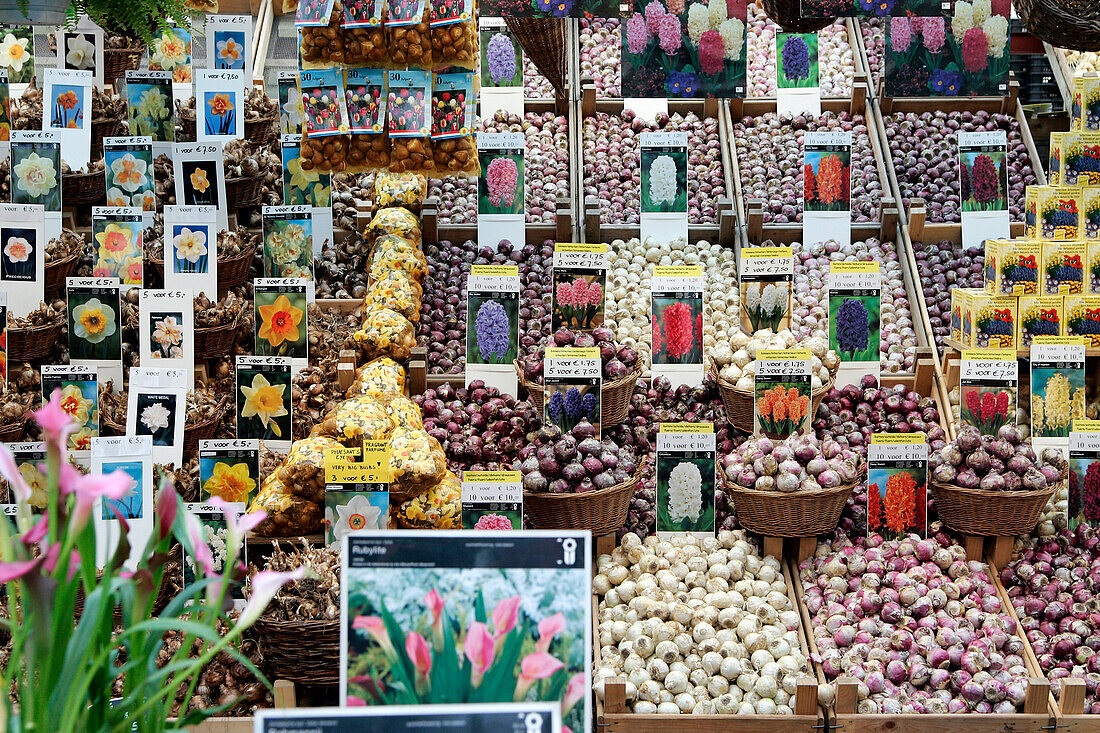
(827, 187)
(1084, 473)
(504, 572)
(132, 455)
(988, 388)
(798, 86)
(855, 290)
(983, 170)
(1057, 386)
(67, 108)
(492, 500)
(782, 390)
(664, 194)
(79, 388)
(897, 485)
(579, 285)
(685, 479)
(22, 256)
(492, 328)
(676, 315)
(766, 279)
(157, 407)
(573, 382)
(190, 248)
(526, 717)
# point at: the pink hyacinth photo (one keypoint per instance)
(578, 300)
(500, 186)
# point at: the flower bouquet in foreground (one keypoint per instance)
(63, 663)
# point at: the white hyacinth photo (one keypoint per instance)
(685, 493)
(664, 180)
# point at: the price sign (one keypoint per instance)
(685, 479)
(282, 308)
(676, 312)
(133, 455)
(782, 390)
(988, 383)
(897, 485)
(855, 290)
(492, 500)
(579, 284)
(573, 379)
(357, 490)
(766, 277)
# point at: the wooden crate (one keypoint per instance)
(613, 715)
(859, 104)
(923, 377)
(1010, 105)
(722, 232)
(1063, 74)
(1038, 712)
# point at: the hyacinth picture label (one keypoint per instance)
(676, 312)
(664, 172)
(983, 170)
(492, 325)
(500, 185)
(1084, 473)
(357, 491)
(685, 479)
(438, 616)
(501, 55)
(798, 79)
(781, 393)
(897, 485)
(988, 384)
(766, 279)
(1057, 385)
(579, 284)
(855, 290)
(572, 384)
(528, 717)
(874, 8)
(827, 187)
(492, 500)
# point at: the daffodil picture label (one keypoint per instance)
(263, 398)
(220, 96)
(129, 171)
(288, 241)
(281, 319)
(149, 100)
(95, 324)
(17, 53)
(79, 390)
(292, 112)
(302, 187)
(117, 249)
(17, 254)
(82, 51)
(227, 41)
(228, 470)
(171, 51)
(36, 173)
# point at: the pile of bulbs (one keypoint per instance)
(698, 626)
(837, 60)
(601, 54)
(735, 359)
(630, 271)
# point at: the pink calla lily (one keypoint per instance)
(237, 524)
(435, 605)
(57, 425)
(166, 508)
(479, 649)
(574, 692)
(548, 629)
(354, 702)
(10, 571)
(416, 646)
(93, 487)
(10, 472)
(374, 626)
(505, 616)
(535, 666)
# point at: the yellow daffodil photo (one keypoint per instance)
(231, 482)
(265, 401)
(116, 243)
(94, 325)
(76, 405)
(280, 326)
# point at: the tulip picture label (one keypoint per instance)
(527, 717)
(473, 621)
(897, 485)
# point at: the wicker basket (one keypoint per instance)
(217, 340)
(741, 403)
(31, 344)
(990, 513)
(58, 270)
(241, 192)
(232, 272)
(787, 14)
(602, 511)
(543, 40)
(83, 189)
(300, 651)
(117, 61)
(614, 396)
(11, 431)
(795, 514)
(205, 430)
(100, 129)
(260, 131)
(1073, 24)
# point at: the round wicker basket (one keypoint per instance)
(741, 403)
(108, 127)
(1073, 24)
(217, 340)
(301, 651)
(241, 192)
(797, 514)
(601, 512)
(117, 61)
(11, 431)
(29, 344)
(82, 189)
(990, 513)
(58, 270)
(614, 396)
(205, 430)
(787, 14)
(261, 130)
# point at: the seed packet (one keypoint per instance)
(454, 33)
(409, 127)
(453, 145)
(365, 99)
(993, 321)
(1075, 159)
(1012, 267)
(408, 34)
(1039, 315)
(318, 22)
(1083, 318)
(324, 138)
(1063, 268)
(1057, 212)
